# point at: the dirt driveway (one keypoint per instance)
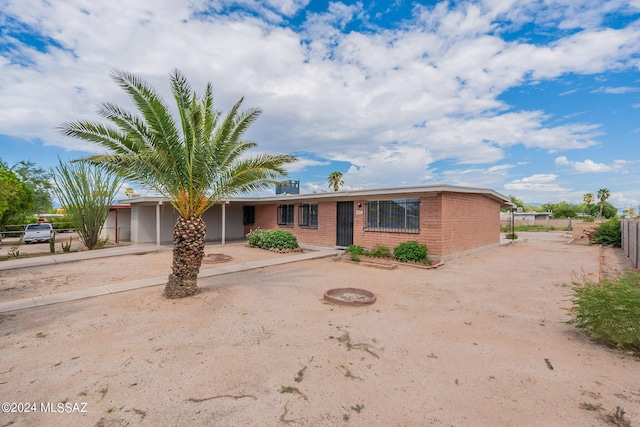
(480, 341)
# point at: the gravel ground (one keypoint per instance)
(480, 341)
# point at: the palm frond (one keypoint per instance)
(195, 161)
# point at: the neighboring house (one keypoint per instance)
(450, 220)
(526, 216)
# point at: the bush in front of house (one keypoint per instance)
(609, 311)
(256, 238)
(411, 251)
(608, 233)
(280, 239)
(268, 239)
(380, 251)
(354, 249)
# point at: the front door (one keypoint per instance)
(344, 229)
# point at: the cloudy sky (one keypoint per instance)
(534, 98)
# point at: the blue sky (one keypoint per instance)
(531, 98)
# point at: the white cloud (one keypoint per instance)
(390, 102)
(616, 90)
(544, 183)
(303, 163)
(589, 165)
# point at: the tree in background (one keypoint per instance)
(335, 180)
(588, 198)
(39, 182)
(517, 202)
(630, 212)
(86, 193)
(195, 162)
(603, 195)
(15, 196)
(561, 210)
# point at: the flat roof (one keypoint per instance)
(383, 193)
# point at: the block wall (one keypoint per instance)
(469, 221)
(450, 223)
(324, 234)
(430, 213)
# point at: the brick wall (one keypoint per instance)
(449, 223)
(324, 234)
(428, 235)
(469, 221)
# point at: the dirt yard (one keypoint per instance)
(480, 341)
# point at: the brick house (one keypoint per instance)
(450, 220)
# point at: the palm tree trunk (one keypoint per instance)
(188, 250)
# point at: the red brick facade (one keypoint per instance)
(450, 223)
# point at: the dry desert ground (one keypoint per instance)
(482, 340)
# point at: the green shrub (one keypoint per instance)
(411, 251)
(256, 238)
(609, 311)
(267, 239)
(354, 257)
(511, 236)
(608, 233)
(380, 251)
(356, 250)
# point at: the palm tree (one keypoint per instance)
(335, 180)
(588, 198)
(196, 162)
(603, 195)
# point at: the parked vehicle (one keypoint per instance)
(37, 233)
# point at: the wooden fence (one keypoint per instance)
(631, 240)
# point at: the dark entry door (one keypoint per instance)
(344, 229)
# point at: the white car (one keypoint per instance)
(37, 233)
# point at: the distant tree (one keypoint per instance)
(608, 210)
(335, 180)
(15, 195)
(630, 212)
(588, 198)
(39, 182)
(563, 210)
(603, 195)
(86, 193)
(518, 202)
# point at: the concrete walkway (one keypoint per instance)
(41, 260)
(39, 301)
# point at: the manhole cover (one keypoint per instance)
(350, 296)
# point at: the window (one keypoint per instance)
(393, 215)
(248, 215)
(308, 215)
(285, 215)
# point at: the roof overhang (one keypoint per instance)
(380, 193)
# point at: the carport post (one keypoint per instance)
(158, 224)
(224, 220)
